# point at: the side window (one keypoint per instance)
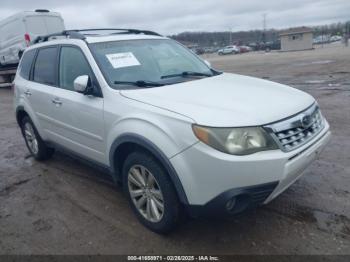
(26, 64)
(45, 66)
(72, 64)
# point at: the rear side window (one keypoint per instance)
(45, 66)
(26, 64)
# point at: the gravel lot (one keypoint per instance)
(65, 206)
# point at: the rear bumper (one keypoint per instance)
(211, 178)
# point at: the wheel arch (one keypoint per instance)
(130, 142)
(20, 114)
(23, 109)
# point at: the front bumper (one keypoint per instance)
(207, 175)
(296, 165)
(244, 198)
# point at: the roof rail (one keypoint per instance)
(122, 31)
(66, 33)
(82, 33)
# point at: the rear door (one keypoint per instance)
(38, 25)
(78, 124)
(54, 24)
(35, 26)
(40, 91)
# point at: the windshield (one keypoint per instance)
(126, 64)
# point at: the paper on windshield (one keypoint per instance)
(119, 60)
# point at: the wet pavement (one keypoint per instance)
(66, 206)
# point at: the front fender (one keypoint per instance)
(145, 143)
(163, 136)
(170, 136)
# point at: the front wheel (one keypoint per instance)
(151, 193)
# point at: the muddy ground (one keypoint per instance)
(64, 206)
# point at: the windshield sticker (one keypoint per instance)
(120, 60)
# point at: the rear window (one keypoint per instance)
(45, 66)
(26, 64)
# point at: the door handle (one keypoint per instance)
(27, 93)
(56, 101)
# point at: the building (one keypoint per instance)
(295, 39)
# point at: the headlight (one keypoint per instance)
(235, 141)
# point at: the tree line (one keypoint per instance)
(253, 36)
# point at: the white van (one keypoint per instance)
(20, 30)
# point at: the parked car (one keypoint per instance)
(244, 49)
(18, 31)
(335, 38)
(231, 49)
(178, 135)
(199, 51)
(210, 50)
(322, 39)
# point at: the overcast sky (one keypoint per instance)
(174, 16)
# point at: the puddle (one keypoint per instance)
(292, 211)
(322, 62)
(29, 161)
(325, 221)
(318, 62)
(329, 222)
(315, 82)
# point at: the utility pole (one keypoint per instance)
(230, 36)
(264, 29)
(346, 34)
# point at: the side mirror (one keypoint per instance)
(81, 83)
(207, 63)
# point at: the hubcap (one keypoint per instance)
(145, 193)
(31, 139)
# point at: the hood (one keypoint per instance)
(226, 100)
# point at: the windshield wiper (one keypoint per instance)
(187, 73)
(140, 83)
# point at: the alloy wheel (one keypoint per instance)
(31, 138)
(145, 193)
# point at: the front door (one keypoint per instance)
(78, 123)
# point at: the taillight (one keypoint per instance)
(27, 39)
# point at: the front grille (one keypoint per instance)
(296, 131)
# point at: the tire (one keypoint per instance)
(163, 189)
(36, 146)
(20, 53)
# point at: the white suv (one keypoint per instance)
(231, 49)
(178, 135)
